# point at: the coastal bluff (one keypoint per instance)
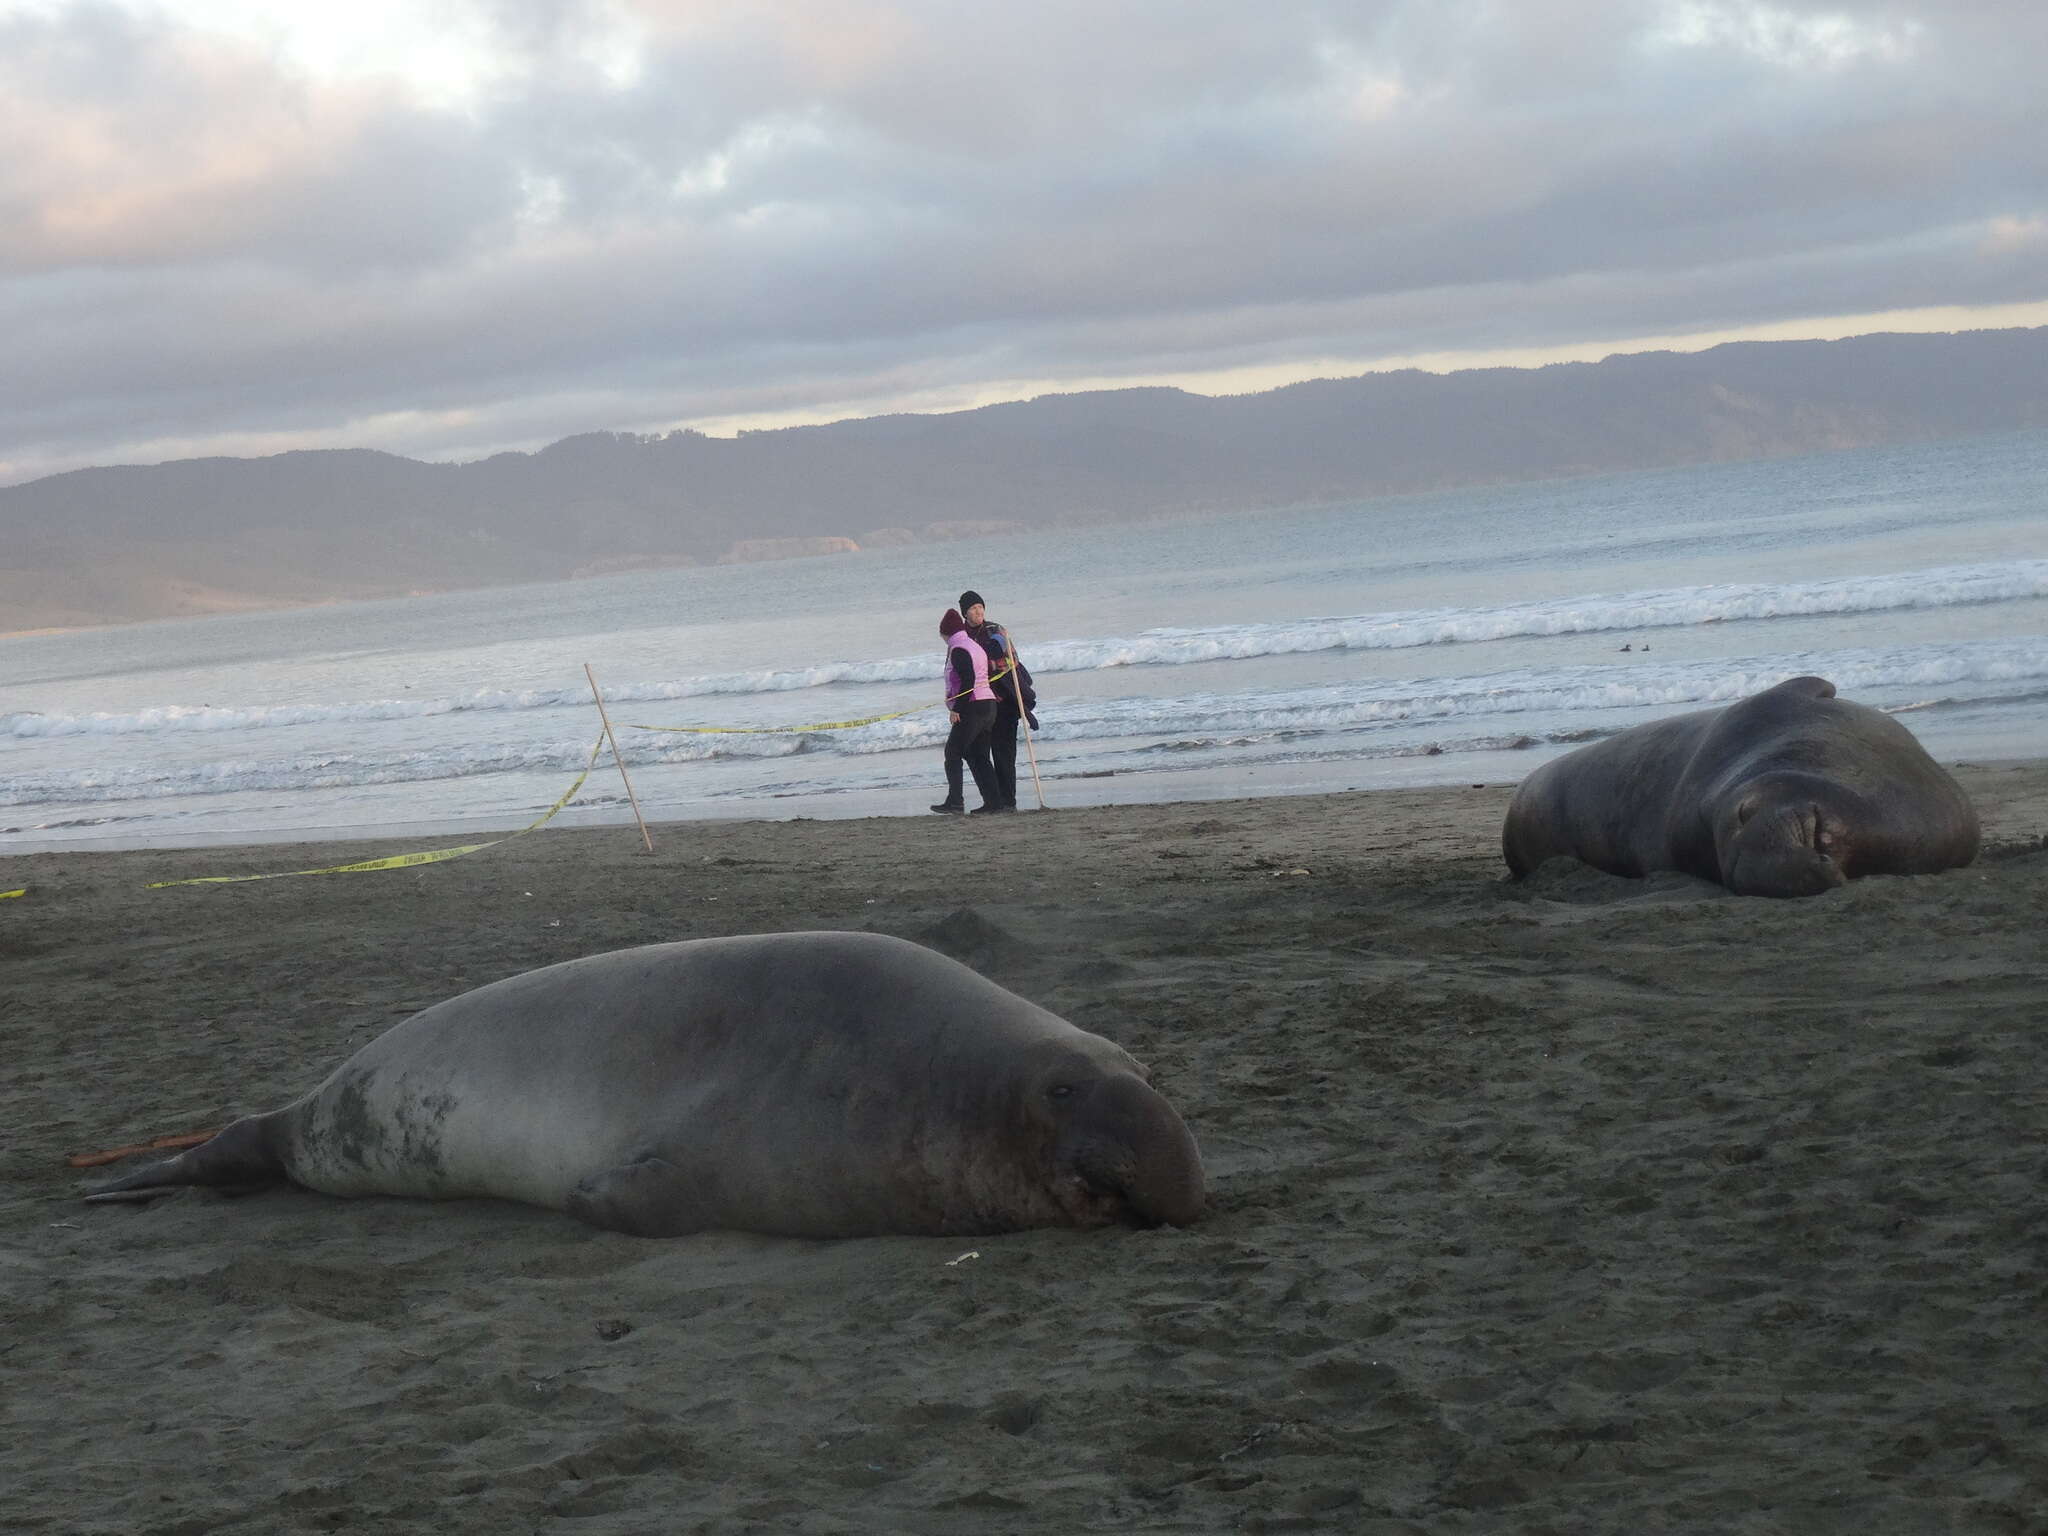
(201, 536)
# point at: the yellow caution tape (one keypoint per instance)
(823, 725)
(5, 894)
(400, 860)
(779, 730)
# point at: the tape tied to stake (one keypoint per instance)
(776, 730)
(401, 860)
(5, 894)
(822, 725)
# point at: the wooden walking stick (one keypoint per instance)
(635, 799)
(1024, 719)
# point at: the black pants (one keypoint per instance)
(1002, 741)
(969, 743)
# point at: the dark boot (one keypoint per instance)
(950, 807)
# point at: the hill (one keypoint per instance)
(108, 545)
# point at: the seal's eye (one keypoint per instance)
(1059, 1091)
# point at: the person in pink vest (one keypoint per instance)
(1015, 697)
(971, 706)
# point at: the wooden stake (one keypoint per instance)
(155, 1143)
(635, 799)
(1023, 719)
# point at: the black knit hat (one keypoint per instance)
(969, 598)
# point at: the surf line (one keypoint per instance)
(402, 860)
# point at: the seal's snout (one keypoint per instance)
(1782, 870)
(1789, 849)
(1789, 872)
(1127, 1141)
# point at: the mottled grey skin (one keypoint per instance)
(814, 1084)
(1789, 793)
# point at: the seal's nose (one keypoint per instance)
(1130, 1140)
(1783, 872)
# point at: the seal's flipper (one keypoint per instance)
(643, 1199)
(1808, 687)
(241, 1157)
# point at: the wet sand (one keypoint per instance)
(1580, 1205)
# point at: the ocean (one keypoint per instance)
(1462, 636)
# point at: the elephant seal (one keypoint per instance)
(808, 1084)
(1790, 792)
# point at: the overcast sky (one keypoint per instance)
(445, 228)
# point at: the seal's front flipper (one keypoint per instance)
(648, 1198)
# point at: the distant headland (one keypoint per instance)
(197, 536)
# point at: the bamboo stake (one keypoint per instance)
(1024, 719)
(635, 799)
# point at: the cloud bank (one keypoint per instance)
(225, 232)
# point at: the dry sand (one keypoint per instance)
(1585, 1205)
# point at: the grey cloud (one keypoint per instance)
(141, 149)
(825, 203)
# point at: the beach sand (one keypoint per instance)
(1580, 1205)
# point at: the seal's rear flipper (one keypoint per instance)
(239, 1158)
(109, 1196)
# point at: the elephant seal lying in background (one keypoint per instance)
(1790, 792)
(814, 1084)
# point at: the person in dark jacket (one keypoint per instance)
(971, 706)
(1003, 666)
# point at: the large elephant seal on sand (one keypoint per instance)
(1788, 793)
(814, 1084)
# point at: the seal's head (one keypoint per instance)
(1113, 1149)
(1786, 834)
